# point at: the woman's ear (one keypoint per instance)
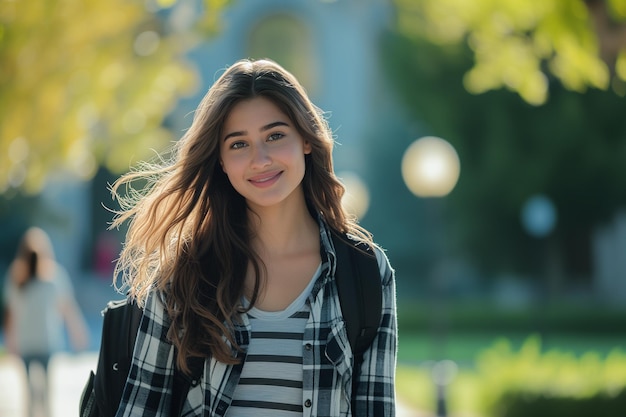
(307, 147)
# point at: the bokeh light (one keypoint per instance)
(147, 43)
(356, 200)
(538, 216)
(430, 167)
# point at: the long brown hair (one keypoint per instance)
(188, 230)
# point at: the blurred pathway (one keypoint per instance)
(68, 374)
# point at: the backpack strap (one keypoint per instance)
(360, 294)
(119, 329)
(360, 291)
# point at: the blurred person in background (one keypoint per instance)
(39, 302)
(229, 250)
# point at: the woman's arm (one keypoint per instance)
(70, 311)
(76, 325)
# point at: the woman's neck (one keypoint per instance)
(277, 231)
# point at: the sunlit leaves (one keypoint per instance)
(617, 9)
(84, 83)
(518, 45)
(211, 20)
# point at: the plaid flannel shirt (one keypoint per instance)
(327, 358)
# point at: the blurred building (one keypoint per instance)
(330, 46)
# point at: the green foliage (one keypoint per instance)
(414, 387)
(529, 381)
(518, 45)
(84, 83)
(510, 379)
(597, 405)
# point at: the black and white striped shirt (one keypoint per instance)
(271, 378)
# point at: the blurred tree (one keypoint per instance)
(520, 45)
(85, 83)
(571, 149)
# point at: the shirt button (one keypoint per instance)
(308, 346)
(307, 403)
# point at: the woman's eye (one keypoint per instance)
(237, 145)
(275, 136)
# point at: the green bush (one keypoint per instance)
(599, 405)
(415, 388)
(529, 382)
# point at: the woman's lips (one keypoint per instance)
(265, 180)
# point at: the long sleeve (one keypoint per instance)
(149, 385)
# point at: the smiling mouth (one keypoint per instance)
(265, 179)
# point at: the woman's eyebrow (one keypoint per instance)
(273, 125)
(263, 129)
(234, 134)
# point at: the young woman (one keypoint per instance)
(229, 252)
(39, 302)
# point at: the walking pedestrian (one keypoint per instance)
(39, 305)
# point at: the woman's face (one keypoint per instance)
(262, 153)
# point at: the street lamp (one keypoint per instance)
(539, 218)
(431, 169)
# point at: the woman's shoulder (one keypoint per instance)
(368, 245)
(386, 271)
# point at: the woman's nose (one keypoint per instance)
(261, 156)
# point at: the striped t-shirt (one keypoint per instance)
(271, 379)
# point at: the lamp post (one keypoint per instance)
(539, 218)
(430, 170)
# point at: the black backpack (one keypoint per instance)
(360, 294)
